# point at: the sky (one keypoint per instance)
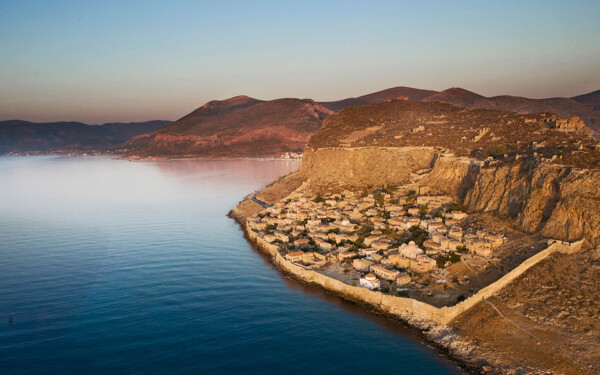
(106, 61)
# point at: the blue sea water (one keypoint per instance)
(114, 267)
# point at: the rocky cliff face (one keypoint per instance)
(557, 201)
(331, 168)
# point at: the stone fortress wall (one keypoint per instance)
(558, 201)
(407, 307)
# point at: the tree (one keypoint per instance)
(319, 199)
(418, 234)
(453, 257)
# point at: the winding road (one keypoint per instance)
(259, 202)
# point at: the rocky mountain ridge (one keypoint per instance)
(245, 127)
(237, 127)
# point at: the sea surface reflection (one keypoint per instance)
(109, 266)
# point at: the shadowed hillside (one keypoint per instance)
(591, 100)
(236, 127)
(28, 137)
(379, 97)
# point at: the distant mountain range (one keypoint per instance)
(246, 127)
(18, 136)
(587, 106)
(565, 107)
(591, 100)
(236, 127)
(415, 95)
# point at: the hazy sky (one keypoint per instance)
(100, 61)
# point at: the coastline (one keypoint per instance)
(435, 325)
(430, 333)
(160, 158)
(119, 156)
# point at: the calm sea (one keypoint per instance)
(109, 266)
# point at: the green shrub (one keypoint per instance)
(418, 234)
(494, 151)
(391, 233)
(454, 258)
(454, 207)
